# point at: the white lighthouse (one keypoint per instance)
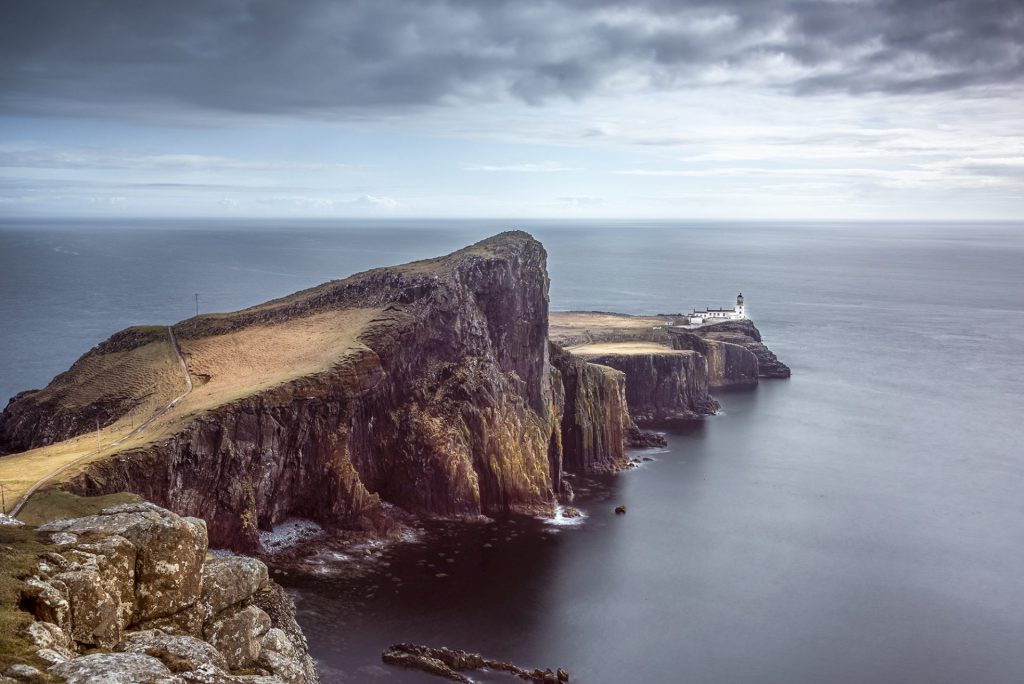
(710, 315)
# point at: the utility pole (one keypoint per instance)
(197, 303)
(3, 498)
(99, 443)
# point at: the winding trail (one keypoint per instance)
(142, 426)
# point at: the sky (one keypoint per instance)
(739, 109)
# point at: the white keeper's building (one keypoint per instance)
(712, 315)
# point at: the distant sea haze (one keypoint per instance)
(860, 522)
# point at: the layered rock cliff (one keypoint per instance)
(670, 369)
(744, 333)
(132, 592)
(428, 387)
(661, 384)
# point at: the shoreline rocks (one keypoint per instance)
(450, 664)
(131, 591)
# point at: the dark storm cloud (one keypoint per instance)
(133, 58)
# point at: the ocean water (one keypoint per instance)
(860, 522)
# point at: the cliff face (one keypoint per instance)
(77, 400)
(445, 403)
(744, 334)
(130, 591)
(660, 385)
(728, 364)
(595, 421)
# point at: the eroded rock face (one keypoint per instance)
(237, 634)
(595, 421)
(744, 334)
(168, 555)
(218, 624)
(669, 385)
(113, 668)
(449, 410)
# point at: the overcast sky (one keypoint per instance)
(586, 108)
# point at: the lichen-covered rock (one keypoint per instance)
(276, 640)
(230, 580)
(273, 600)
(178, 653)
(114, 558)
(95, 613)
(49, 636)
(52, 657)
(195, 645)
(169, 558)
(237, 633)
(26, 674)
(207, 674)
(114, 668)
(47, 601)
(187, 622)
(287, 669)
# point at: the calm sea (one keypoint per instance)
(860, 522)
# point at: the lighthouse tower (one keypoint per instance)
(741, 311)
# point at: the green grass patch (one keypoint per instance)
(55, 504)
(20, 548)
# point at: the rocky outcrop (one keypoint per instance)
(449, 406)
(745, 334)
(593, 414)
(660, 385)
(128, 595)
(728, 364)
(450, 664)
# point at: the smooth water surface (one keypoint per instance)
(860, 522)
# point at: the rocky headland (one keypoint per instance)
(436, 389)
(428, 389)
(670, 369)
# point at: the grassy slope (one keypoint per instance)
(224, 368)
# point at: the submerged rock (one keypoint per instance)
(451, 663)
(620, 510)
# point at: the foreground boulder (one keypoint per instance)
(133, 587)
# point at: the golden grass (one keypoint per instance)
(224, 368)
(148, 376)
(565, 325)
(623, 349)
(244, 362)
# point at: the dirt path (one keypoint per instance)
(142, 426)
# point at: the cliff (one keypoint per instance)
(427, 387)
(133, 591)
(661, 383)
(744, 333)
(670, 370)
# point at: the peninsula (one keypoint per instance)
(436, 389)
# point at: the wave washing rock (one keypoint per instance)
(444, 403)
(133, 587)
